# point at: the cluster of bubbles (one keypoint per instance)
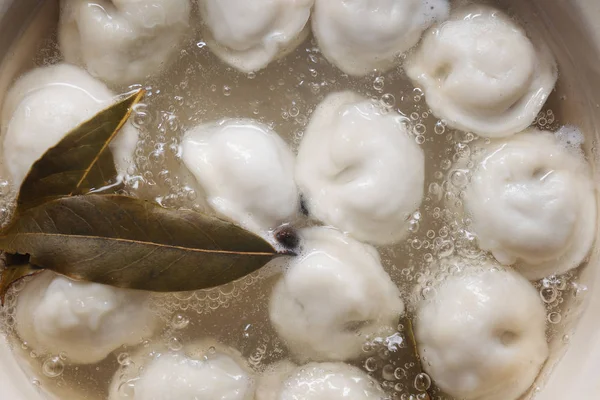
(205, 301)
(392, 362)
(9, 309)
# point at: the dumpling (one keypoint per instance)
(87, 321)
(360, 36)
(205, 371)
(482, 335)
(533, 204)
(320, 381)
(334, 297)
(246, 171)
(359, 170)
(44, 105)
(122, 42)
(481, 73)
(248, 35)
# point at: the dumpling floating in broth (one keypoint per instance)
(361, 36)
(359, 169)
(481, 73)
(202, 371)
(86, 321)
(532, 202)
(245, 170)
(123, 42)
(334, 297)
(318, 381)
(482, 333)
(248, 35)
(44, 105)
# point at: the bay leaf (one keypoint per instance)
(12, 272)
(131, 243)
(81, 161)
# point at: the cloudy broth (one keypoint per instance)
(199, 88)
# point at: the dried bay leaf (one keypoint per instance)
(81, 161)
(14, 273)
(130, 243)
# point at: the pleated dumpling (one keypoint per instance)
(359, 170)
(533, 204)
(85, 321)
(246, 172)
(482, 333)
(318, 381)
(248, 35)
(481, 73)
(44, 105)
(206, 370)
(123, 42)
(361, 36)
(334, 297)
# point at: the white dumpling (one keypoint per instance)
(44, 105)
(334, 297)
(482, 335)
(87, 321)
(122, 42)
(248, 35)
(481, 73)
(360, 36)
(533, 204)
(319, 381)
(207, 371)
(245, 170)
(359, 169)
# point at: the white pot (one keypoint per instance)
(573, 29)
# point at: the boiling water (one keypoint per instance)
(199, 88)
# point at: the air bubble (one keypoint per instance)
(379, 83)
(388, 100)
(420, 129)
(459, 179)
(422, 382)
(548, 294)
(174, 344)
(226, 90)
(140, 115)
(440, 128)
(53, 367)
(371, 364)
(554, 317)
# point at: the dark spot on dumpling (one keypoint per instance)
(288, 237)
(303, 206)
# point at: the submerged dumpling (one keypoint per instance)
(87, 321)
(319, 381)
(533, 204)
(246, 171)
(334, 298)
(360, 36)
(359, 169)
(205, 371)
(482, 336)
(248, 35)
(47, 103)
(481, 73)
(122, 42)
